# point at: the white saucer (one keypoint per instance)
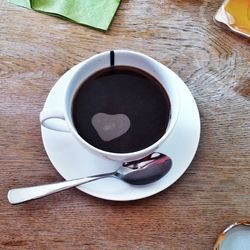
(71, 160)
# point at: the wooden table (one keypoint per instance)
(36, 49)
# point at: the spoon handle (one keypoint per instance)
(19, 195)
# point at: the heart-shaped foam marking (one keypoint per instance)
(110, 127)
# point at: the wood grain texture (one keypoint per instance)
(36, 49)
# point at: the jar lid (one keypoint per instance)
(234, 237)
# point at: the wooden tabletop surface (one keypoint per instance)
(36, 49)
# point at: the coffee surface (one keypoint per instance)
(117, 93)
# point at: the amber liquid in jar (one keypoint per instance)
(238, 12)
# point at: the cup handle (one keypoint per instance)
(54, 120)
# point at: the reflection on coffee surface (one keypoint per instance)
(110, 127)
(121, 109)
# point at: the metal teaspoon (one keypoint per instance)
(140, 172)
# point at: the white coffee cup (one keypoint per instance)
(165, 76)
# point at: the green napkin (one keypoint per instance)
(94, 13)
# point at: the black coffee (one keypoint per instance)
(121, 109)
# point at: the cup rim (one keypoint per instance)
(133, 154)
